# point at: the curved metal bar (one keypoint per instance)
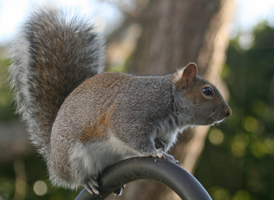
(164, 171)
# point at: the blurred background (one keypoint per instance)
(233, 44)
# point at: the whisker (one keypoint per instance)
(211, 114)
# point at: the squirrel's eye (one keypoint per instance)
(207, 91)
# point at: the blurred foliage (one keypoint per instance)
(238, 159)
(36, 172)
(6, 103)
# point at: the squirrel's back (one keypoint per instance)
(54, 53)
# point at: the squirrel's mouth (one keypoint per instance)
(211, 121)
(216, 117)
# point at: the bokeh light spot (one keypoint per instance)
(40, 188)
(216, 136)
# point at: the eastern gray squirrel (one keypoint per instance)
(83, 120)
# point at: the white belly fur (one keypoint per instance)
(88, 160)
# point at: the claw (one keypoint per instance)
(177, 162)
(92, 186)
(119, 191)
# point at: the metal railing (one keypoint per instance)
(164, 171)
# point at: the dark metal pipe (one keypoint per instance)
(164, 171)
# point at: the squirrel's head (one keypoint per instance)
(195, 96)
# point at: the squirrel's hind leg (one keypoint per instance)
(91, 185)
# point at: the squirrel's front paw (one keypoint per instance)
(171, 158)
(91, 185)
(160, 154)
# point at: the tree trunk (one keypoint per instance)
(175, 33)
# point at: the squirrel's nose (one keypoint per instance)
(228, 111)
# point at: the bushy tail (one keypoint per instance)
(53, 54)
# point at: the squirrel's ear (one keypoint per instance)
(187, 75)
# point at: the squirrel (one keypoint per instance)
(82, 119)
